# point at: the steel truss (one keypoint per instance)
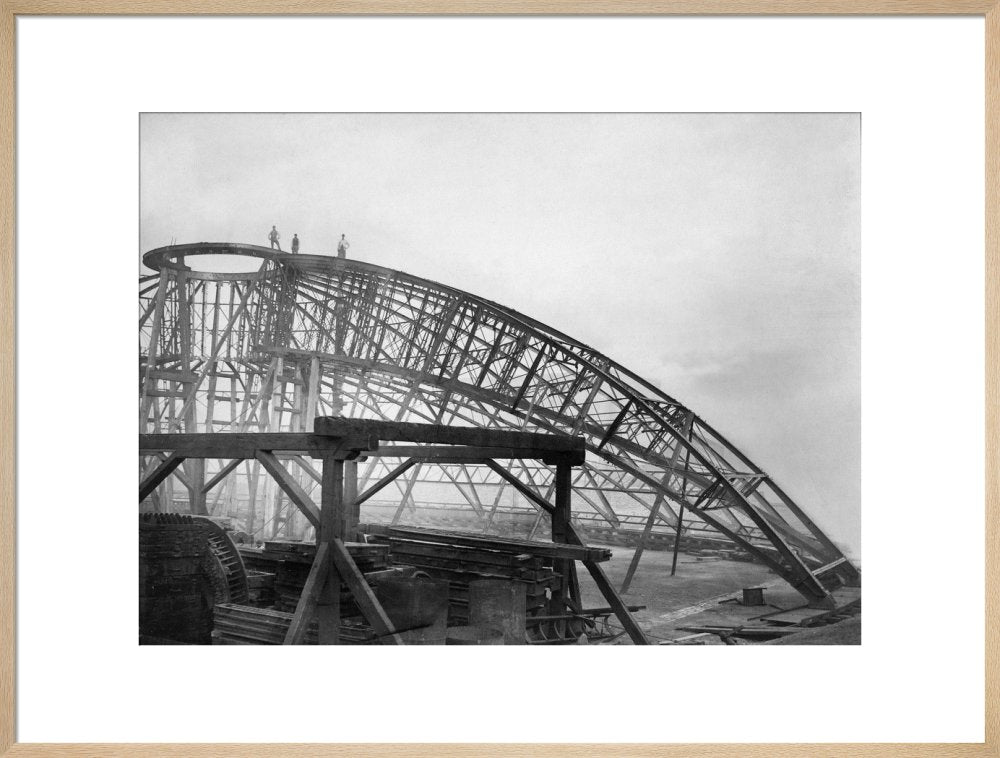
(309, 336)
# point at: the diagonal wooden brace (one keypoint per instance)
(158, 474)
(614, 600)
(305, 609)
(370, 607)
(223, 473)
(291, 487)
(521, 487)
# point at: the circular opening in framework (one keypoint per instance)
(223, 263)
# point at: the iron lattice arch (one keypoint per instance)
(307, 336)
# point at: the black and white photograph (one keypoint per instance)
(500, 379)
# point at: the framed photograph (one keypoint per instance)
(543, 328)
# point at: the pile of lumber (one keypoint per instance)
(461, 558)
(290, 561)
(246, 625)
(260, 585)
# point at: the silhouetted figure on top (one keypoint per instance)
(274, 237)
(295, 243)
(342, 246)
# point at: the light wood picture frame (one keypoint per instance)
(11, 9)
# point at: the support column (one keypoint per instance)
(194, 469)
(331, 524)
(272, 495)
(195, 472)
(569, 590)
(312, 393)
(352, 509)
(148, 383)
(253, 471)
(306, 395)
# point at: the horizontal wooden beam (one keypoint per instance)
(563, 551)
(166, 393)
(398, 431)
(473, 454)
(246, 445)
(173, 375)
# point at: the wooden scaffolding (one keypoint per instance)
(339, 443)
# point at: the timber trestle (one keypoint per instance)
(338, 444)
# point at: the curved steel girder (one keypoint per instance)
(372, 319)
(660, 420)
(789, 563)
(603, 508)
(539, 416)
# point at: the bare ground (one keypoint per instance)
(702, 582)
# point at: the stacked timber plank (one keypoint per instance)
(290, 561)
(461, 558)
(245, 625)
(286, 564)
(489, 542)
(260, 585)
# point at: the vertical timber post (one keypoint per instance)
(561, 529)
(352, 511)
(331, 525)
(312, 393)
(252, 479)
(315, 374)
(272, 507)
(194, 467)
(148, 382)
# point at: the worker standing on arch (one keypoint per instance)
(295, 243)
(274, 237)
(342, 246)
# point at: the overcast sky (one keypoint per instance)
(717, 256)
